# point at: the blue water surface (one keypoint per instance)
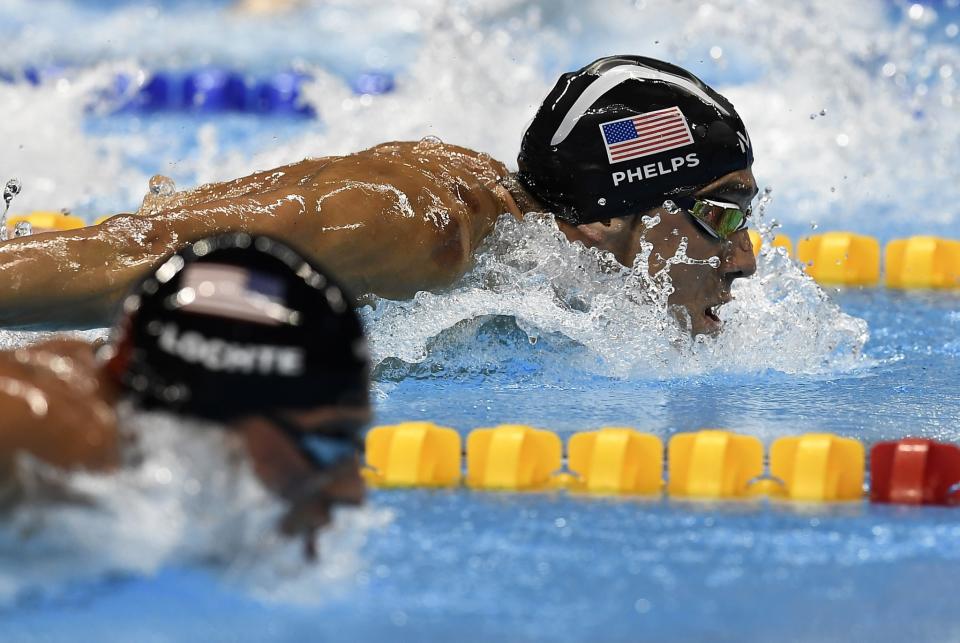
(473, 566)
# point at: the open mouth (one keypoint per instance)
(710, 312)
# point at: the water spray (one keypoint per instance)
(10, 190)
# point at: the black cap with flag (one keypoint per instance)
(235, 325)
(625, 133)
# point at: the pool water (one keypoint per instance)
(475, 566)
(539, 332)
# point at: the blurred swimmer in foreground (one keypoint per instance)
(609, 145)
(238, 330)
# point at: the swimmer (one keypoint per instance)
(236, 330)
(608, 146)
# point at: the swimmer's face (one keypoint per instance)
(311, 493)
(700, 290)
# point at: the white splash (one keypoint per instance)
(529, 272)
(187, 497)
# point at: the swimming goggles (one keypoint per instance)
(323, 450)
(718, 218)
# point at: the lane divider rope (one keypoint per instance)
(705, 464)
(209, 89)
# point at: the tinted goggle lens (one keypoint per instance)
(720, 219)
(322, 450)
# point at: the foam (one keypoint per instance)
(156, 512)
(599, 316)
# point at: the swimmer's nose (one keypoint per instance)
(739, 260)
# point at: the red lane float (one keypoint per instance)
(914, 471)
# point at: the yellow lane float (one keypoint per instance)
(46, 221)
(841, 258)
(923, 262)
(713, 464)
(819, 467)
(512, 457)
(616, 460)
(413, 454)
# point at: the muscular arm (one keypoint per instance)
(389, 221)
(75, 278)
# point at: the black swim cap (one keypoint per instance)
(625, 133)
(237, 325)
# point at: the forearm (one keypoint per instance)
(76, 278)
(72, 278)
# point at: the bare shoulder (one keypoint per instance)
(401, 216)
(433, 181)
(432, 155)
(56, 406)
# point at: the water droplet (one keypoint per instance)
(767, 190)
(888, 69)
(823, 112)
(22, 229)
(812, 116)
(714, 262)
(952, 30)
(601, 201)
(833, 189)
(431, 140)
(716, 52)
(10, 190)
(649, 222)
(161, 185)
(671, 207)
(813, 225)
(916, 12)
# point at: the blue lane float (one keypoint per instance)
(211, 90)
(215, 90)
(372, 82)
(281, 94)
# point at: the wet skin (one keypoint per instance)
(700, 289)
(389, 221)
(56, 406)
